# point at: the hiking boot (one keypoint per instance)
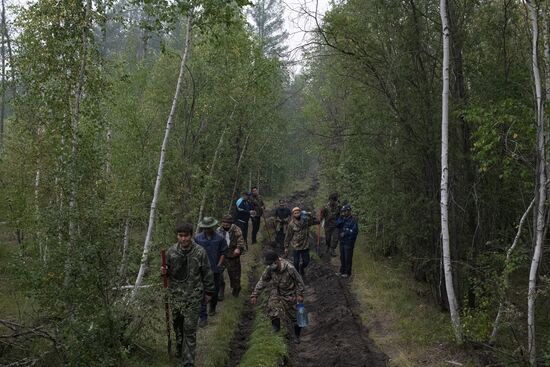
(203, 323)
(221, 294)
(235, 292)
(211, 312)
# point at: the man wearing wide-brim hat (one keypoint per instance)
(216, 247)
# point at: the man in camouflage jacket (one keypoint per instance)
(286, 289)
(191, 282)
(330, 214)
(234, 238)
(297, 237)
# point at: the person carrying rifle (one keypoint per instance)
(191, 282)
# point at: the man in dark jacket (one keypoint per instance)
(282, 218)
(242, 214)
(215, 247)
(348, 230)
(257, 211)
(191, 282)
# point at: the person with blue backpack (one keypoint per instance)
(348, 230)
(242, 214)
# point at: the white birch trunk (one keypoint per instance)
(169, 123)
(211, 173)
(75, 121)
(453, 304)
(506, 273)
(541, 188)
(125, 244)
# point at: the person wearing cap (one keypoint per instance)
(297, 237)
(242, 214)
(348, 230)
(329, 214)
(191, 282)
(216, 247)
(234, 238)
(286, 289)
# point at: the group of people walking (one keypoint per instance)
(195, 265)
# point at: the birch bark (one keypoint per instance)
(453, 304)
(169, 123)
(212, 166)
(541, 187)
(506, 273)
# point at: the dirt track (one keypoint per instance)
(336, 335)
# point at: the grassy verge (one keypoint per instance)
(407, 327)
(265, 348)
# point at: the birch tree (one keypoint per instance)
(540, 186)
(156, 192)
(449, 285)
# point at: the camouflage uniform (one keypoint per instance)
(284, 285)
(190, 278)
(257, 204)
(234, 237)
(330, 213)
(297, 236)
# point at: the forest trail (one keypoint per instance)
(336, 335)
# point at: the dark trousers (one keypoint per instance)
(331, 237)
(301, 260)
(214, 300)
(255, 228)
(346, 257)
(280, 239)
(233, 266)
(244, 228)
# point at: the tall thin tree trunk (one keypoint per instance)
(449, 285)
(169, 123)
(75, 121)
(3, 67)
(125, 244)
(541, 189)
(238, 168)
(213, 165)
(506, 273)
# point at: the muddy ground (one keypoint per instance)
(335, 335)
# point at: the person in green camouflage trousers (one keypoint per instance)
(234, 238)
(330, 213)
(191, 282)
(297, 237)
(286, 289)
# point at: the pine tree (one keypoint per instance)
(268, 24)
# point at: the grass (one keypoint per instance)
(405, 325)
(265, 348)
